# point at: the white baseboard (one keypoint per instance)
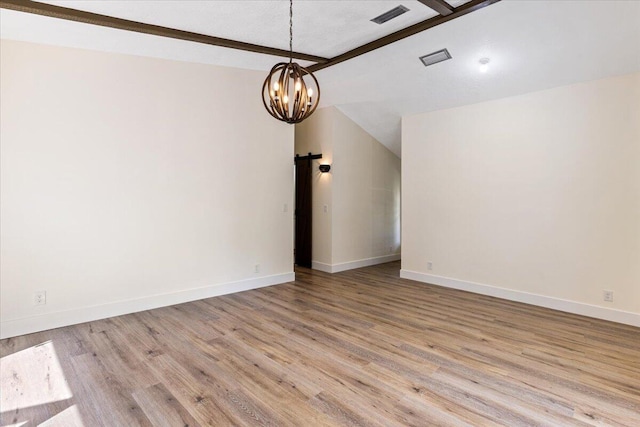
(344, 266)
(43, 322)
(613, 315)
(316, 265)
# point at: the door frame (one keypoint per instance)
(307, 241)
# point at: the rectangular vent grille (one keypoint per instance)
(435, 57)
(389, 15)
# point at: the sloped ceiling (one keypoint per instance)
(532, 45)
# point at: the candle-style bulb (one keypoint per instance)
(276, 86)
(298, 86)
(310, 93)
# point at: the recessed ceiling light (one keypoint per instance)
(390, 14)
(435, 57)
(484, 65)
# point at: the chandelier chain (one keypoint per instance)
(290, 31)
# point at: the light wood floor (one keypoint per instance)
(355, 348)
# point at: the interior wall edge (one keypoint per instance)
(351, 265)
(321, 266)
(569, 306)
(42, 322)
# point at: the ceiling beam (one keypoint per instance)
(53, 11)
(407, 32)
(440, 6)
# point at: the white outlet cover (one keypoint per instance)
(40, 298)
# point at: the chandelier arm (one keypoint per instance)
(306, 104)
(281, 91)
(285, 81)
(264, 98)
(273, 100)
(301, 111)
(314, 105)
(295, 76)
(272, 110)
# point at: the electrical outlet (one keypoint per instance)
(429, 265)
(257, 268)
(285, 208)
(390, 249)
(40, 298)
(607, 295)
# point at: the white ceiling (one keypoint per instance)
(324, 28)
(532, 45)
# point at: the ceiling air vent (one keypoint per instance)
(435, 57)
(389, 15)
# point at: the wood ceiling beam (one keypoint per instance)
(404, 33)
(53, 11)
(440, 6)
(60, 12)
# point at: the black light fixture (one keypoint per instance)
(325, 168)
(286, 94)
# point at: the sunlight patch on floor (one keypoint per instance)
(70, 417)
(30, 378)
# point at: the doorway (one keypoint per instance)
(302, 212)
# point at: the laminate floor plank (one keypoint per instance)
(357, 348)
(162, 408)
(103, 401)
(208, 403)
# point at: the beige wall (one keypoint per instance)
(361, 225)
(131, 182)
(366, 195)
(536, 196)
(315, 135)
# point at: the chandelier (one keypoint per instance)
(286, 94)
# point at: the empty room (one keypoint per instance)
(319, 213)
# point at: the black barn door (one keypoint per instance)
(303, 212)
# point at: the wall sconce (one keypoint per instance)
(325, 168)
